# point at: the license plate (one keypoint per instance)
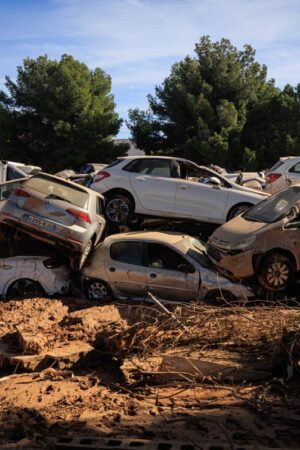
(39, 222)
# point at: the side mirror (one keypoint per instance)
(215, 182)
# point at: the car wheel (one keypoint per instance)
(219, 297)
(24, 288)
(98, 290)
(237, 210)
(119, 209)
(275, 272)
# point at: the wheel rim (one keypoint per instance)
(24, 288)
(97, 291)
(117, 210)
(277, 274)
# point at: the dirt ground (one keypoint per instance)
(74, 374)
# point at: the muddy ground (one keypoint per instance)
(80, 375)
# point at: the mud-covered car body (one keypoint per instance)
(171, 265)
(33, 274)
(58, 212)
(243, 246)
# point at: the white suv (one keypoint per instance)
(286, 172)
(170, 187)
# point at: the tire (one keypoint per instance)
(275, 272)
(24, 288)
(219, 297)
(98, 290)
(237, 210)
(119, 209)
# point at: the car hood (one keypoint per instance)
(250, 191)
(235, 231)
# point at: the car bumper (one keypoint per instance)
(64, 237)
(237, 265)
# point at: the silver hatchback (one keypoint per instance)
(58, 212)
(170, 265)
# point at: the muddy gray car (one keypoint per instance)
(58, 212)
(171, 265)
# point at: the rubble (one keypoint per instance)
(125, 371)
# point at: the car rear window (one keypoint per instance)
(275, 207)
(115, 163)
(58, 190)
(276, 166)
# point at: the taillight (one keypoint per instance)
(101, 176)
(19, 192)
(271, 177)
(52, 263)
(80, 215)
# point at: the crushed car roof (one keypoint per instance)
(169, 237)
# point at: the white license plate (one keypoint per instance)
(39, 222)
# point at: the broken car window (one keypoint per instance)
(162, 257)
(128, 252)
(59, 190)
(274, 208)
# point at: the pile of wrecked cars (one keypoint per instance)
(78, 228)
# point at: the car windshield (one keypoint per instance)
(197, 251)
(58, 190)
(275, 207)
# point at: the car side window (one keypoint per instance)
(128, 252)
(189, 171)
(155, 167)
(295, 168)
(160, 256)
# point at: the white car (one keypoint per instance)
(170, 187)
(30, 276)
(285, 173)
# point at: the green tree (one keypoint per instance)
(200, 110)
(273, 127)
(58, 114)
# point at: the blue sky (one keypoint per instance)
(137, 41)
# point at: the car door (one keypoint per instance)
(153, 184)
(292, 176)
(125, 267)
(169, 275)
(201, 199)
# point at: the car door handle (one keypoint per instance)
(141, 178)
(288, 182)
(183, 186)
(153, 275)
(112, 269)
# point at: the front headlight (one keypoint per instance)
(245, 243)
